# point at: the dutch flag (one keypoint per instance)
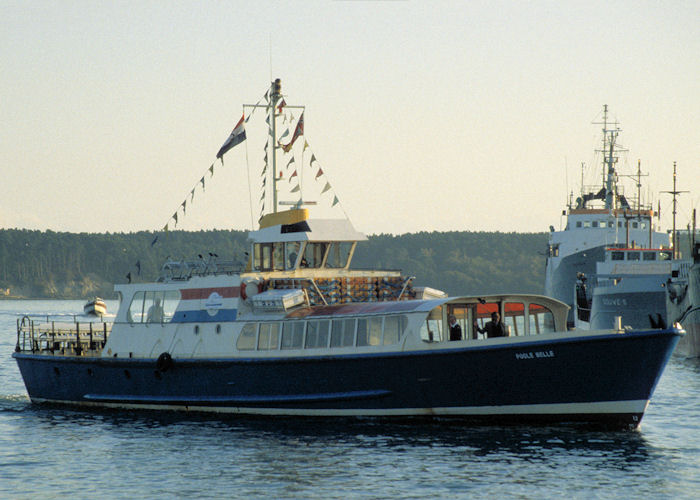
(237, 136)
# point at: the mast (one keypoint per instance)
(609, 160)
(675, 193)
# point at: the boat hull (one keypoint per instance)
(605, 379)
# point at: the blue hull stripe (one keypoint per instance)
(338, 396)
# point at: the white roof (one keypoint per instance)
(308, 230)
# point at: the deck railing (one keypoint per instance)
(61, 338)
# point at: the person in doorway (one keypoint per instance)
(455, 329)
(493, 328)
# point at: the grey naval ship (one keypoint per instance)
(610, 263)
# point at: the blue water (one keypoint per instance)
(64, 453)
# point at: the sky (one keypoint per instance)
(424, 116)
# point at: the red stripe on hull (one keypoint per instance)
(228, 292)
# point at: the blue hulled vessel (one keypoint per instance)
(296, 331)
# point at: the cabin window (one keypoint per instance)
(263, 256)
(618, 256)
(338, 254)
(664, 255)
(393, 329)
(153, 307)
(246, 339)
(578, 223)
(317, 334)
(586, 223)
(369, 331)
(649, 255)
(313, 255)
(619, 223)
(431, 329)
(554, 250)
(291, 251)
(643, 225)
(268, 338)
(293, 335)
(632, 255)
(635, 225)
(595, 223)
(514, 317)
(603, 223)
(541, 319)
(343, 333)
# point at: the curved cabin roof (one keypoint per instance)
(558, 308)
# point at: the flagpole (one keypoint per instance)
(274, 97)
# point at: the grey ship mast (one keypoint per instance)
(609, 159)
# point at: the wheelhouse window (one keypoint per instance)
(313, 255)
(246, 339)
(618, 256)
(541, 319)
(291, 251)
(338, 254)
(632, 255)
(649, 255)
(484, 312)
(665, 255)
(153, 307)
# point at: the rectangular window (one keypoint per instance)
(595, 223)
(603, 223)
(314, 254)
(343, 333)
(618, 256)
(578, 223)
(393, 328)
(278, 256)
(317, 334)
(268, 338)
(586, 223)
(515, 317)
(153, 307)
(649, 255)
(293, 335)
(632, 255)
(369, 331)
(635, 225)
(246, 339)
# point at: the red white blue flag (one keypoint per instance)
(237, 136)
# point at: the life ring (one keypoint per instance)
(164, 362)
(250, 288)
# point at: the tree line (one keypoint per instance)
(48, 264)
